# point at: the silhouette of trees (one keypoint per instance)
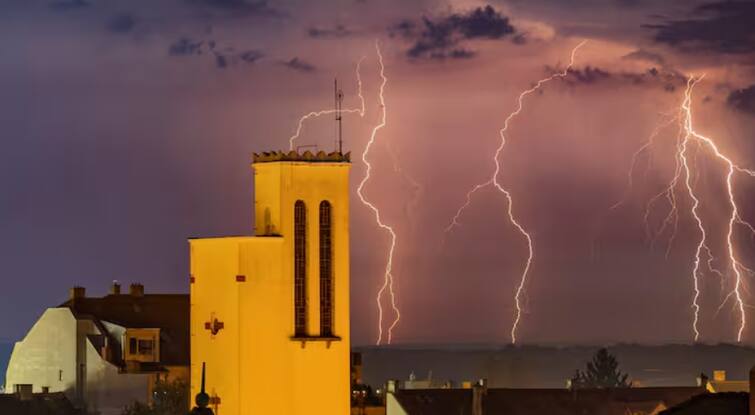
(168, 398)
(601, 372)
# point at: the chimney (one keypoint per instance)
(136, 290)
(752, 391)
(77, 292)
(116, 288)
(479, 390)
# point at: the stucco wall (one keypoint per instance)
(107, 391)
(392, 407)
(253, 364)
(47, 355)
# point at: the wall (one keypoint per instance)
(107, 391)
(47, 355)
(253, 364)
(392, 407)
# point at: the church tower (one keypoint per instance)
(270, 312)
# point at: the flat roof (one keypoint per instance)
(307, 156)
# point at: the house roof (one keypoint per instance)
(728, 403)
(168, 312)
(543, 401)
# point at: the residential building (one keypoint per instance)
(27, 403)
(481, 400)
(364, 399)
(104, 353)
(270, 312)
(718, 403)
(720, 383)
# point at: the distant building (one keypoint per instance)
(481, 400)
(364, 399)
(270, 312)
(720, 384)
(428, 383)
(104, 353)
(719, 403)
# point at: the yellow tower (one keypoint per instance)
(270, 312)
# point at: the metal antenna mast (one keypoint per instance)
(339, 102)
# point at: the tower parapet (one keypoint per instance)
(293, 155)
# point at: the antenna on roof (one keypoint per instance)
(339, 102)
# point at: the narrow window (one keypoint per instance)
(326, 270)
(300, 269)
(132, 346)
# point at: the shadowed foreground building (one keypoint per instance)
(270, 312)
(721, 403)
(480, 400)
(104, 353)
(37, 404)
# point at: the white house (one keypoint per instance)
(104, 353)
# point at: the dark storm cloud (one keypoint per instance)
(65, 5)
(121, 23)
(645, 55)
(221, 61)
(228, 58)
(743, 99)
(725, 27)
(668, 80)
(337, 31)
(223, 57)
(299, 65)
(184, 47)
(241, 8)
(251, 56)
(443, 37)
(587, 75)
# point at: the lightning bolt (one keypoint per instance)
(388, 274)
(701, 244)
(636, 155)
(316, 114)
(683, 175)
(736, 266)
(493, 180)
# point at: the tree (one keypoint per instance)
(171, 398)
(137, 408)
(601, 372)
(168, 398)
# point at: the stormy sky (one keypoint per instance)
(128, 126)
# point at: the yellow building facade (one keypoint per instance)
(270, 312)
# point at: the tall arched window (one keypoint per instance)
(326, 270)
(300, 268)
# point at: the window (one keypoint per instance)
(146, 347)
(300, 269)
(326, 270)
(141, 345)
